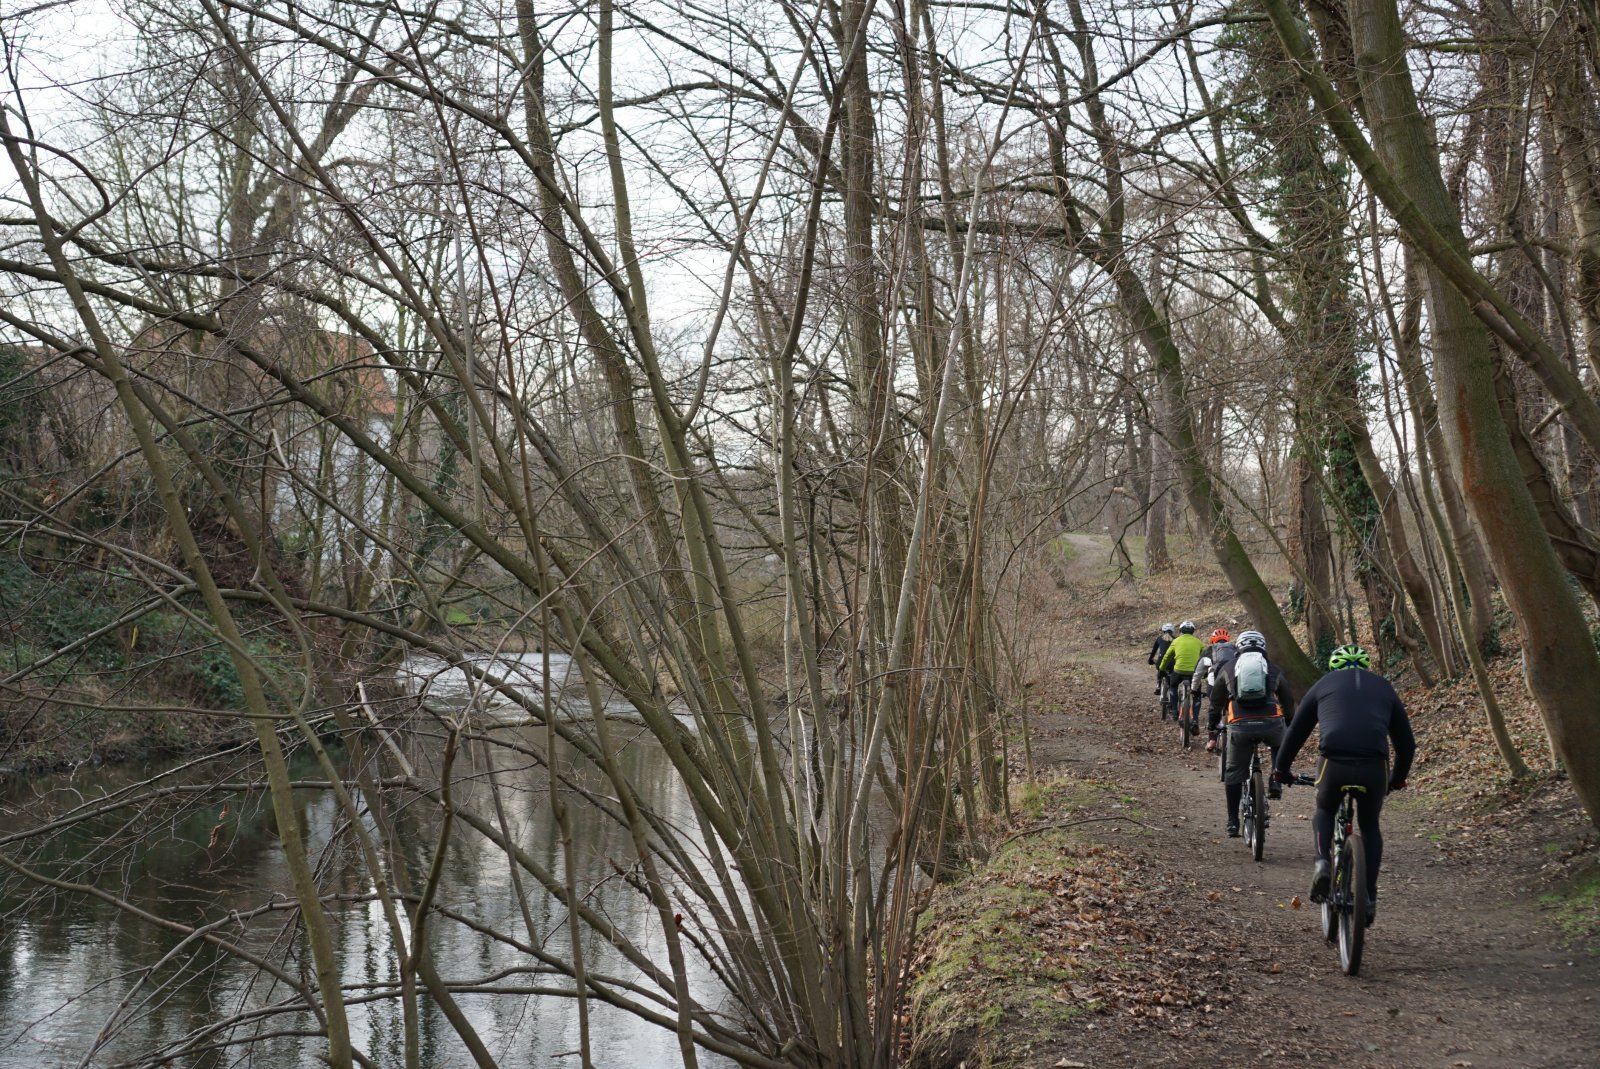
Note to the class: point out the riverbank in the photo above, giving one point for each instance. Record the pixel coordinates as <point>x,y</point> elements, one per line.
<point>95,676</point>
<point>58,738</point>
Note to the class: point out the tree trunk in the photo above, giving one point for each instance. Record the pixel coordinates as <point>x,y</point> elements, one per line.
<point>1570,110</point>
<point>1476,577</point>
<point>1157,557</point>
<point>1210,513</point>
<point>1577,547</point>
<point>1155,333</point>
<point>1561,664</point>
<point>1312,547</point>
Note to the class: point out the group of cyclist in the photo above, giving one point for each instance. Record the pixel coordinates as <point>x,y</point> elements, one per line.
<point>1249,702</point>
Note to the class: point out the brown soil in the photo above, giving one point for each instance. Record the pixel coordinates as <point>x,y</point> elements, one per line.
<point>1462,967</point>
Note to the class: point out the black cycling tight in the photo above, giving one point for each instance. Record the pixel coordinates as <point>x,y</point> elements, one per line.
<point>1331,776</point>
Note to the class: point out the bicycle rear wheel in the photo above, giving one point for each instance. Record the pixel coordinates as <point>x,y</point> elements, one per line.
<point>1183,713</point>
<point>1353,905</point>
<point>1257,831</point>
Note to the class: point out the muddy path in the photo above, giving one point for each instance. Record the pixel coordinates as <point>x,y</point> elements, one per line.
<point>1459,972</point>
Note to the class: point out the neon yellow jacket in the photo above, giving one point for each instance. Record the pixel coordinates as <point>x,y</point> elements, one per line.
<point>1182,655</point>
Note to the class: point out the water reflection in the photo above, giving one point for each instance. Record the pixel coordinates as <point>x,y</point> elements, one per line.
<point>70,965</point>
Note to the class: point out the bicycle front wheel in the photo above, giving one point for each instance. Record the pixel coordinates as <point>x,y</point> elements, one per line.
<point>1352,904</point>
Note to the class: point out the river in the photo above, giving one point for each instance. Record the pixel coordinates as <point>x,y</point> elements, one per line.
<point>75,971</point>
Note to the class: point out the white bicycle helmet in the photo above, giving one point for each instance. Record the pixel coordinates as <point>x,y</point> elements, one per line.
<point>1252,640</point>
<point>1166,629</point>
<point>1187,627</point>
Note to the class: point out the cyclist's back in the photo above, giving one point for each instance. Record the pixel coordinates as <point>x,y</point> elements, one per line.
<point>1255,714</point>
<point>1158,650</point>
<point>1358,714</point>
<point>1218,654</point>
<point>1184,653</point>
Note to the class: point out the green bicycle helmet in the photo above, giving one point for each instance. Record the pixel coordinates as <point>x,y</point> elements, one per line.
<point>1351,656</point>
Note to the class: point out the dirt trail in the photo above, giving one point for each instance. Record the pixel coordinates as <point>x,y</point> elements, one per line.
<point>1458,972</point>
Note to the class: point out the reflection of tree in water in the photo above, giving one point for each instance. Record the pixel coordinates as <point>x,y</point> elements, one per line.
<point>196,856</point>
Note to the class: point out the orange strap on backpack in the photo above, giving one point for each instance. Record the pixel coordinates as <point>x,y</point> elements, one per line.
<point>1268,712</point>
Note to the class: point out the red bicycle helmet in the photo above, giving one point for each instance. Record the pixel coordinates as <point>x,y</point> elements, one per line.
<point>1220,635</point>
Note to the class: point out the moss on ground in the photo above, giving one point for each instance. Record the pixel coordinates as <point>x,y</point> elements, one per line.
<point>1574,904</point>
<point>998,960</point>
<point>99,673</point>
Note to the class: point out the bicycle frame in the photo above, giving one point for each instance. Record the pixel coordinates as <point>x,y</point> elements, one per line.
<point>1343,913</point>
<point>1254,824</point>
<point>1344,821</point>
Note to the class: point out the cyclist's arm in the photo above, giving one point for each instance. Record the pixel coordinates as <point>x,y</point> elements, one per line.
<point>1405,742</point>
<point>1151,658</point>
<point>1219,701</point>
<point>1169,658</point>
<point>1284,695</point>
<point>1305,718</point>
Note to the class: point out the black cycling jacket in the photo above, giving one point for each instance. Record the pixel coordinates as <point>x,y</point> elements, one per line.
<point>1222,693</point>
<point>1158,649</point>
<point>1359,715</point>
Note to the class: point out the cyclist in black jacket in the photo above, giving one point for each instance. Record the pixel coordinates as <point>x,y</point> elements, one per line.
<point>1358,715</point>
<point>1250,722</point>
<point>1158,650</point>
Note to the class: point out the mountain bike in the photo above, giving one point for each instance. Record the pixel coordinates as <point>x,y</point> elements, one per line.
<point>1344,911</point>
<point>1177,700</point>
<point>1253,806</point>
<point>1189,719</point>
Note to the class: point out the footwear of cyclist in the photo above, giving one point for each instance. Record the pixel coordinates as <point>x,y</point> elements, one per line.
<point>1274,789</point>
<point>1233,829</point>
<point>1321,879</point>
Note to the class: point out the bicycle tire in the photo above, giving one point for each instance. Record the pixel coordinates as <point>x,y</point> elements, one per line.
<point>1258,816</point>
<point>1353,919</point>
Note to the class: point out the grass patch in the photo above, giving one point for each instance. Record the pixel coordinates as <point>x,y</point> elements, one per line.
<point>1575,904</point>
<point>1034,801</point>
<point>999,951</point>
